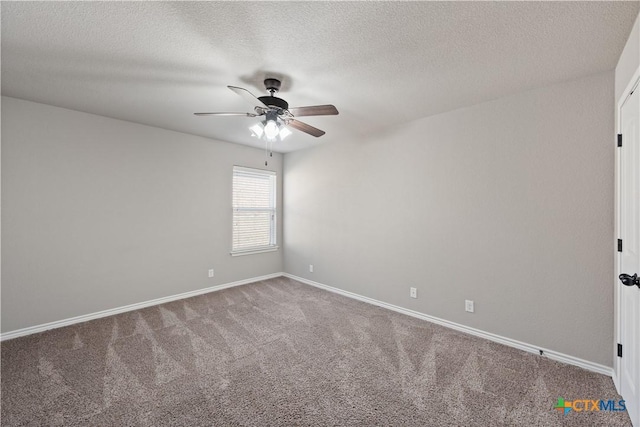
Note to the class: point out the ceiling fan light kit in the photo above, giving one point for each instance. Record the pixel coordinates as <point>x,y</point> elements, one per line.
<point>277,114</point>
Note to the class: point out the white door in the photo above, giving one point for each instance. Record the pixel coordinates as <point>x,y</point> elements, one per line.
<point>629,229</point>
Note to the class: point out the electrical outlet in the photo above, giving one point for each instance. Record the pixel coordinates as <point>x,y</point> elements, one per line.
<point>413,292</point>
<point>211,272</point>
<point>310,268</point>
<point>468,305</point>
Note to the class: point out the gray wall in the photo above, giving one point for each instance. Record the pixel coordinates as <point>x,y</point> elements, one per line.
<point>508,203</point>
<point>99,213</point>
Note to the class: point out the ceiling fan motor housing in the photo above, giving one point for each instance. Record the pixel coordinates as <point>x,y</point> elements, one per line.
<point>274,101</point>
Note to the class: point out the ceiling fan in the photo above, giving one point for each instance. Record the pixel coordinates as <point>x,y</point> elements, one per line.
<point>277,113</point>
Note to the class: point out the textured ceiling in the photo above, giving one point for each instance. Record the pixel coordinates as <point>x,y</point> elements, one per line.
<point>380,63</point>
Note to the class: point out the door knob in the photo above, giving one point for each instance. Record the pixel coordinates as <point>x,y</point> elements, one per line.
<point>630,280</point>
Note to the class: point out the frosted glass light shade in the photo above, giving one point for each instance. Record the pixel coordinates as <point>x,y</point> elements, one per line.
<point>284,132</point>
<point>271,130</point>
<point>257,130</point>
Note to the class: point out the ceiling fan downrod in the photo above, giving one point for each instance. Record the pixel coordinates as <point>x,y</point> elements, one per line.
<point>272,85</point>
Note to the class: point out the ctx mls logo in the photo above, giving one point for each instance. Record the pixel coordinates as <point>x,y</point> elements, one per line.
<point>588,405</point>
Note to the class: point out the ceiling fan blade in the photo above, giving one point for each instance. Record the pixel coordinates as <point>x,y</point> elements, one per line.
<point>297,124</point>
<point>249,97</point>
<point>226,114</point>
<point>315,110</point>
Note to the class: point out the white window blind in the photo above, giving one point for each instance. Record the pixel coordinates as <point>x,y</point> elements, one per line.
<point>254,210</point>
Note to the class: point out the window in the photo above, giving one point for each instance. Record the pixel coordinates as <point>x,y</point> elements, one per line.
<point>254,211</point>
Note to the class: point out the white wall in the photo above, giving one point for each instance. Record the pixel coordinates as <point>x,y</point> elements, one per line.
<point>508,203</point>
<point>99,213</point>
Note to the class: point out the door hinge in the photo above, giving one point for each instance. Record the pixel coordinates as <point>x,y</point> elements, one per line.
<point>619,140</point>
<point>619,245</point>
<point>619,350</point>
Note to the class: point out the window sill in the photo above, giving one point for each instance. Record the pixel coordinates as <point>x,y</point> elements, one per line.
<point>254,251</point>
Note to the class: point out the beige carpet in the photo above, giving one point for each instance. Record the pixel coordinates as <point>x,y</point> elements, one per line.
<point>282,353</point>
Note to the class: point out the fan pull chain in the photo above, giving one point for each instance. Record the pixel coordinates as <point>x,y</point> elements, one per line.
<point>268,150</point>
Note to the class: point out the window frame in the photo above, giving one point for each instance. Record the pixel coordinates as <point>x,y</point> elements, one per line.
<point>272,209</point>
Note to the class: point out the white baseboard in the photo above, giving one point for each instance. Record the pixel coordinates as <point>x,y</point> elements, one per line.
<point>554,355</point>
<point>616,379</point>
<point>110,312</point>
